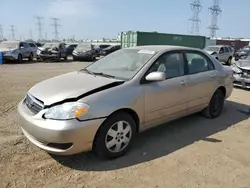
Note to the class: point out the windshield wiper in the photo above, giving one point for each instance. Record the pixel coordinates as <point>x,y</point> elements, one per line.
<point>88,71</point>
<point>103,74</point>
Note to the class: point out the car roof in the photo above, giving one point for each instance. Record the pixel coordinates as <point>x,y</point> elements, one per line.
<point>159,48</point>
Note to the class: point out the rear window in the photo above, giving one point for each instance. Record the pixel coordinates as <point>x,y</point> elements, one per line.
<point>32,45</point>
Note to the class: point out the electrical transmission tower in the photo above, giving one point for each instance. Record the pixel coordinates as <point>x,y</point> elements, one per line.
<point>215,10</point>
<point>55,25</point>
<point>13,30</point>
<point>39,26</point>
<point>195,20</point>
<point>1,32</point>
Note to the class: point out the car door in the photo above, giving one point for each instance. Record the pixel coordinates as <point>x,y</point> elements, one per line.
<point>165,100</point>
<point>201,79</point>
<point>226,54</point>
<point>27,49</point>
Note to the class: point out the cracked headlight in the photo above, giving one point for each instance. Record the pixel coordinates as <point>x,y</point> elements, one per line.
<point>66,111</point>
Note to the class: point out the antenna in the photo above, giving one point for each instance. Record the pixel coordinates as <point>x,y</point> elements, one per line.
<point>215,11</point>
<point>39,26</point>
<point>196,9</point>
<point>55,25</point>
<point>12,29</point>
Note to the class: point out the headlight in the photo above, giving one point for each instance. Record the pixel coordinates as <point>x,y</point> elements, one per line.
<point>67,111</point>
<point>11,52</point>
<point>236,69</point>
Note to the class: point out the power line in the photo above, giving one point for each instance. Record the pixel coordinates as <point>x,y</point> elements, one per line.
<point>215,11</point>
<point>39,26</point>
<point>196,9</point>
<point>13,30</point>
<point>55,25</point>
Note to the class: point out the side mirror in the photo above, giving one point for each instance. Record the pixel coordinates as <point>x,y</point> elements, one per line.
<point>156,76</point>
<point>221,52</point>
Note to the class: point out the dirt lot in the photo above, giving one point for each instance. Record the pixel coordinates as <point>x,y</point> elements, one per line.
<point>191,152</point>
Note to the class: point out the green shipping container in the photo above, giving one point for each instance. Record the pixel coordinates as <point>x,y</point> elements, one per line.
<point>136,38</point>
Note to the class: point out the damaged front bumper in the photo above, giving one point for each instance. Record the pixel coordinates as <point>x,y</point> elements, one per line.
<point>241,80</point>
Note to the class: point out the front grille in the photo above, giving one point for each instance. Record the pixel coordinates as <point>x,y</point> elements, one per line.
<point>33,104</point>
<point>245,71</point>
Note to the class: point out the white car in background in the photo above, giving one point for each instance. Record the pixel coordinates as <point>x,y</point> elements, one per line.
<point>222,53</point>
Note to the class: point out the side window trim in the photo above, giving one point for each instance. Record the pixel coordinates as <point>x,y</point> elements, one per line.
<point>202,55</point>
<point>143,81</point>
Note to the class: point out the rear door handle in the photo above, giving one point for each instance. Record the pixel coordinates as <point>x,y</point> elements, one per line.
<point>212,75</point>
<point>183,82</point>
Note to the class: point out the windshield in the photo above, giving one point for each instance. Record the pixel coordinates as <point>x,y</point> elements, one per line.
<point>9,45</point>
<point>123,64</point>
<point>212,48</point>
<point>50,45</point>
<point>83,47</point>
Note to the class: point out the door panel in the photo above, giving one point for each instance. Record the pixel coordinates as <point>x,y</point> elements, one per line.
<point>165,99</point>
<point>202,87</point>
<point>201,79</point>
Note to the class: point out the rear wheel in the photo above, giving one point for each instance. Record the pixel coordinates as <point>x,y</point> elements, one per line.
<point>216,104</point>
<point>115,136</point>
<point>65,58</point>
<point>229,61</point>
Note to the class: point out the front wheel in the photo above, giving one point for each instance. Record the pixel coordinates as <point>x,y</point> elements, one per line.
<point>216,104</point>
<point>19,58</point>
<point>31,57</point>
<point>65,58</point>
<point>115,136</point>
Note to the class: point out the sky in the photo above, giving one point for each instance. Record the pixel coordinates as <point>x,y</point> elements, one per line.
<point>94,19</point>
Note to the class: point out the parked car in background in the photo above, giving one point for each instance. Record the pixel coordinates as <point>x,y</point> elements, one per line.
<point>34,48</point>
<point>16,51</point>
<point>55,51</point>
<point>103,106</point>
<point>100,47</point>
<point>38,44</point>
<point>109,50</point>
<point>70,48</point>
<point>242,53</point>
<point>85,51</point>
<point>222,53</point>
<point>241,70</point>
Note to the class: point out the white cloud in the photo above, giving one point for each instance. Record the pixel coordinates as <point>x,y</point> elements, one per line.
<point>71,8</point>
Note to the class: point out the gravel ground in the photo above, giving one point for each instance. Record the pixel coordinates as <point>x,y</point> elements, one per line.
<point>191,152</point>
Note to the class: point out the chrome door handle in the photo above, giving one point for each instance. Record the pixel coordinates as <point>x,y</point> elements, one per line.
<point>183,82</point>
<point>212,75</point>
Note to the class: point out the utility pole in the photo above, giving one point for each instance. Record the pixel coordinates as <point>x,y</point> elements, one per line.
<point>196,9</point>
<point>39,26</point>
<point>46,37</point>
<point>12,29</point>
<point>31,36</point>
<point>55,25</point>
<point>215,11</point>
<point>1,32</point>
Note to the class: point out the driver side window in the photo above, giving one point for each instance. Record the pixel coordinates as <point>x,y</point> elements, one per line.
<point>172,64</point>
<point>221,50</point>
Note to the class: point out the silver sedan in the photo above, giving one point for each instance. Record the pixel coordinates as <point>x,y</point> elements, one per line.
<point>103,106</point>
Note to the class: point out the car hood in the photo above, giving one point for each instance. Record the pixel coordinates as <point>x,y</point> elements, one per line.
<point>210,52</point>
<point>244,64</point>
<point>6,49</point>
<point>70,86</point>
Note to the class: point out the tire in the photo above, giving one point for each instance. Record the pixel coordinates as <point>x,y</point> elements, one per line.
<point>103,139</point>
<point>229,61</point>
<point>65,58</point>
<point>20,58</point>
<point>216,104</point>
<point>31,57</point>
